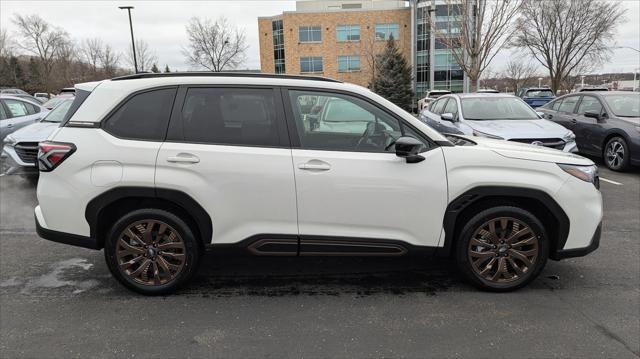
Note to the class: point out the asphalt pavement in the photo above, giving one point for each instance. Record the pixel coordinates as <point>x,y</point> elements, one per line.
<point>60,301</point>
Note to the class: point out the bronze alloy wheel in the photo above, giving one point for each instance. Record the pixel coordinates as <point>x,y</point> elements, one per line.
<point>503,250</point>
<point>150,252</point>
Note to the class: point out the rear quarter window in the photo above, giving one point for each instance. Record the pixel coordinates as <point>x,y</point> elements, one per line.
<point>143,116</point>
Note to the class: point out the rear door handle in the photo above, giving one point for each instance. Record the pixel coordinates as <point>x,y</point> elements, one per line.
<point>183,158</point>
<point>314,165</point>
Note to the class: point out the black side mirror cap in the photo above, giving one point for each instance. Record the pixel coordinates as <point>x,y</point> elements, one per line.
<point>592,115</point>
<point>409,148</point>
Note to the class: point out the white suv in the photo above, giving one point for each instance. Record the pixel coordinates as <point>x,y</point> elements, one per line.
<point>156,168</point>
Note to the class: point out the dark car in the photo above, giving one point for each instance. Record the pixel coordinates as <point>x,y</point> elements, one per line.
<point>536,96</point>
<point>606,124</point>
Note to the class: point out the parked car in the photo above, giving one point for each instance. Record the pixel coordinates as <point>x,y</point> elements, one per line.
<point>12,91</point>
<point>487,91</point>
<point>30,98</point>
<point>58,99</point>
<point>592,88</point>
<point>156,168</point>
<point>431,95</point>
<point>42,96</point>
<point>536,96</point>
<point>16,112</point>
<point>21,147</point>
<point>606,124</point>
<point>497,116</point>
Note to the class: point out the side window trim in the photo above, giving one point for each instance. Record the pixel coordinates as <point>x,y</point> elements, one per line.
<point>106,118</point>
<point>292,126</point>
<point>175,131</point>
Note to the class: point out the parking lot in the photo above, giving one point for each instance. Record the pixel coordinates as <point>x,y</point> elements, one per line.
<point>61,301</point>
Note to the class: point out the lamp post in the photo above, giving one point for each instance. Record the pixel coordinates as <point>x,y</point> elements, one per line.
<point>582,83</point>
<point>133,43</point>
<point>539,81</point>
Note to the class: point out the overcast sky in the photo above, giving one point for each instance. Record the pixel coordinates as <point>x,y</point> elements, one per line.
<point>162,25</point>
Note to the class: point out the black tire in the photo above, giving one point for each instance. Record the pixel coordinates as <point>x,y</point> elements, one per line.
<point>190,250</point>
<point>616,154</point>
<point>521,219</point>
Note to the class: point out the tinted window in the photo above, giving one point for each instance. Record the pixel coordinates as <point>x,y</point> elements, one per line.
<point>2,114</point>
<point>16,108</point>
<point>589,104</point>
<point>343,123</point>
<point>556,105</point>
<point>309,34</point>
<point>230,116</point>
<point>568,104</point>
<point>31,108</point>
<point>144,116</point>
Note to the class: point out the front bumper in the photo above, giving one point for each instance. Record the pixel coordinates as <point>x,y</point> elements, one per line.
<point>579,252</point>
<point>14,164</point>
<point>61,237</point>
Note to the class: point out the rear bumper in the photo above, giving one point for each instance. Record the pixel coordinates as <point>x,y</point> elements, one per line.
<point>579,252</point>
<point>65,238</point>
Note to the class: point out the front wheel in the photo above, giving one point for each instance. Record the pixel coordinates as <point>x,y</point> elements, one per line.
<point>616,154</point>
<point>151,251</point>
<point>502,248</point>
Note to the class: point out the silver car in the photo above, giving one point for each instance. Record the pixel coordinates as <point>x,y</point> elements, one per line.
<point>21,147</point>
<point>497,116</point>
<point>16,112</point>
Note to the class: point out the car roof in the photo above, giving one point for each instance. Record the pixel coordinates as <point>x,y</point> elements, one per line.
<point>481,95</point>
<point>11,97</point>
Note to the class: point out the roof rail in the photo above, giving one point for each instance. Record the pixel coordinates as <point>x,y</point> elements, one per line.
<point>148,75</point>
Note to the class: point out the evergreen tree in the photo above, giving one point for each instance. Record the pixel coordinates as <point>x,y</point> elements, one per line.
<point>166,68</point>
<point>393,76</point>
<point>155,69</point>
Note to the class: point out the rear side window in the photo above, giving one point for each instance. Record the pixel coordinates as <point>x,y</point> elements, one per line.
<point>16,108</point>
<point>556,105</point>
<point>81,95</point>
<point>568,104</point>
<point>231,116</point>
<point>143,117</point>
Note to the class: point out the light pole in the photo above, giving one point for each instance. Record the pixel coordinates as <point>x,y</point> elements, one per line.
<point>582,83</point>
<point>539,81</point>
<point>133,43</point>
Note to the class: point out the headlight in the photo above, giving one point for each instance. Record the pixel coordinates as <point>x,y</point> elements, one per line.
<point>482,134</point>
<point>585,173</point>
<point>569,136</point>
<point>9,140</point>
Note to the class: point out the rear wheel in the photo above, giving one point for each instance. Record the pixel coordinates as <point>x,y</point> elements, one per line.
<point>502,248</point>
<point>616,154</point>
<point>151,251</point>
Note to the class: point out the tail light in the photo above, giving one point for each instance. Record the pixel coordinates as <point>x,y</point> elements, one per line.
<point>52,154</point>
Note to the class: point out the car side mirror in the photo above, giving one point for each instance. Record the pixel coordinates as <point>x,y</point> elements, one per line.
<point>592,115</point>
<point>409,148</point>
<point>447,117</point>
<point>540,114</point>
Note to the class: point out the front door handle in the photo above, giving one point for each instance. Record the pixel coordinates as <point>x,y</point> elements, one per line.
<point>183,158</point>
<point>574,121</point>
<point>10,125</point>
<point>315,165</point>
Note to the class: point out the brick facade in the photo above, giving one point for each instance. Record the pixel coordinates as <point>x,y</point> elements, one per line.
<point>330,48</point>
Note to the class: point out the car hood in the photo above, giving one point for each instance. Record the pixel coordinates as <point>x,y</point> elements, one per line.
<point>525,151</point>
<point>631,120</point>
<point>516,129</point>
<point>36,132</point>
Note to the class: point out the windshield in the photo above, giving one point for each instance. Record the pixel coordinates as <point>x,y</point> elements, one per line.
<point>539,93</point>
<point>496,108</point>
<point>627,105</point>
<point>55,101</point>
<point>57,114</point>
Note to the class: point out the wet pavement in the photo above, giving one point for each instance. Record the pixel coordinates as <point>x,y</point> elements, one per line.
<point>60,301</point>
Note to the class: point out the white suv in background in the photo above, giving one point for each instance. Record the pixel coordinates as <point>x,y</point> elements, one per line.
<point>156,168</point>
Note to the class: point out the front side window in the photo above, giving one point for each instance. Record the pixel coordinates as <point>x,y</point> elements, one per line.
<point>16,108</point>
<point>384,31</point>
<point>496,108</point>
<point>348,63</point>
<point>555,105</point>
<point>568,104</point>
<point>310,64</point>
<point>337,122</point>
<point>451,107</point>
<point>309,34</point>
<point>143,117</point>
<point>437,106</point>
<point>348,33</point>
<point>589,104</point>
<point>230,116</point>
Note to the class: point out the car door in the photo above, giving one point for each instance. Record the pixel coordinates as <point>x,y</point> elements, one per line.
<point>565,115</point>
<point>432,116</point>
<point>228,148</point>
<point>20,113</point>
<point>588,130</point>
<point>350,183</point>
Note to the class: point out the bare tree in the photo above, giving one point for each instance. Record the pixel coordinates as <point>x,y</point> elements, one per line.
<point>144,56</point>
<point>109,60</point>
<point>41,39</point>
<point>485,28</point>
<point>91,51</point>
<point>215,46</point>
<point>518,73</point>
<point>565,34</point>
<point>6,45</point>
